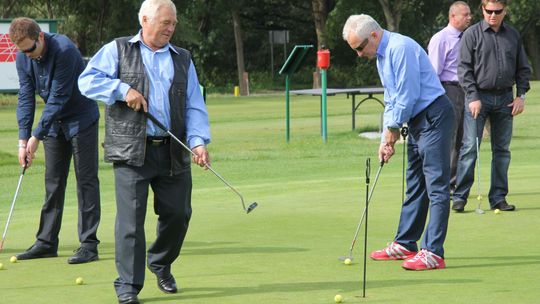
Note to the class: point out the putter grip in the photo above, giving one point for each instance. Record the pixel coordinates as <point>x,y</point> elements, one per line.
<point>155,121</point>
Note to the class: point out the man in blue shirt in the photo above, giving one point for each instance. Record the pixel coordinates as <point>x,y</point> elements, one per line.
<point>414,95</point>
<point>146,73</point>
<point>49,65</point>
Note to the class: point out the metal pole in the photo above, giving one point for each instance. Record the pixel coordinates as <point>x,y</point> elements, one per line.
<point>323,105</point>
<point>368,171</point>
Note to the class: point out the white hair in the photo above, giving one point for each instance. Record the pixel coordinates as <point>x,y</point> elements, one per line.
<point>362,25</point>
<point>149,8</point>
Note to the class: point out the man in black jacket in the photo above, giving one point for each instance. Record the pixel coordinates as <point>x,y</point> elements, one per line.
<point>49,65</point>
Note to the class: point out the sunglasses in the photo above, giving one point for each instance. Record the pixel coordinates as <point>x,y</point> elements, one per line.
<point>31,49</point>
<point>362,45</point>
<point>496,12</point>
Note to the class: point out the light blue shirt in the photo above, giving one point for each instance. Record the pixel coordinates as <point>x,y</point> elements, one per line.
<point>410,82</point>
<point>99,81</point>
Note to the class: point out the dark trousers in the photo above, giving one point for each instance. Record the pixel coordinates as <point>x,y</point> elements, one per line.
<point>457,96</point>
<point>428,178</point>
<point>172,205</point>
<point>495,107</point>
<point>83,147</point>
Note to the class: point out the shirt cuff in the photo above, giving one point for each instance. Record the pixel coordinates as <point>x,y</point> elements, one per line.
<point>472,97</point>
<point>37,134</point>
<point>123,89</point>
<point>195,141</point>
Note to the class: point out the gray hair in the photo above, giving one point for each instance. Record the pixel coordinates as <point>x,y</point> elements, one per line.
<point>149,8</point>
<point>362,25</point>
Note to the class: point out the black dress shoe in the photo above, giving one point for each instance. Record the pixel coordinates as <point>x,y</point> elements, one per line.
<point>458,206</point>
<point>128,299</point>
<point>37,252</point>
<point>167,284</point>
<point>83,255</point>
<point>503,206</point>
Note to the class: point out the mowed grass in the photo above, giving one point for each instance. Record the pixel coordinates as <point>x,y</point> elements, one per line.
<point>311,196</point>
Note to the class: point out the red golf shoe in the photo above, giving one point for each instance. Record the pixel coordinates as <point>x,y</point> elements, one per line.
<point>424,260</point>
<point>393,251</point>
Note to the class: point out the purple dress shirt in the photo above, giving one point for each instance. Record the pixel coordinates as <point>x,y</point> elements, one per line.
<point>443,52</point>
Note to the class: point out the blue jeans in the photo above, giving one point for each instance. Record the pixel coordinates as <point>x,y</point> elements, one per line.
<point>428,178</point>
<point>500,115</point>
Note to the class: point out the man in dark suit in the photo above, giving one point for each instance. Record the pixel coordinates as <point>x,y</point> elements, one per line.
<point>49,65</point>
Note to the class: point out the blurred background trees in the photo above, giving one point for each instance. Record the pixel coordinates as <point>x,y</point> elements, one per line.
<point>228,38</point>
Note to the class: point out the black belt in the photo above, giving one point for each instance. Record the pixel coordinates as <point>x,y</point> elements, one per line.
<point>453,83</point>
<point>496,91</point>
<point>158,140</point>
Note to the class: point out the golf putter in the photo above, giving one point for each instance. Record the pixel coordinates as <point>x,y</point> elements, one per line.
<point>404,133</point>
<point>478,210</point>
<point>350,256</point>
<point>161,126</point>
<point>12,207</point>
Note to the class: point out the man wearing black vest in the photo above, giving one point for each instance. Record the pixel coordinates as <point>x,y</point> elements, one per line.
<point>146,73</point>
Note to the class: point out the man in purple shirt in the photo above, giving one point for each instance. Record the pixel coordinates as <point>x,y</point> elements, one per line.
<point>443,52</point>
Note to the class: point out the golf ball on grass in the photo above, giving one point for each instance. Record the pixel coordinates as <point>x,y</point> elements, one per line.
<point>13,259</point>
<point>338,298</point>
<point>1,266</point>
<point>497,211</point>
<point>347,261</point>
<point>79,281</point>
<point>479,197</point>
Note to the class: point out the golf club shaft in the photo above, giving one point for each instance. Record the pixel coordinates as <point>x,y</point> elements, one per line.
<point>161,126</point>
<point>404,133</point>
<point>365,209</point>
<point>12,207</point>
<point>478,163</point>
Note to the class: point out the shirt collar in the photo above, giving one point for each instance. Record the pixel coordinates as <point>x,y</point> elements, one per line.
<point>485,26</point>
<point>138,38</point>
<point>383,43</point>
<point>46,46</point>
<point>453,30</point>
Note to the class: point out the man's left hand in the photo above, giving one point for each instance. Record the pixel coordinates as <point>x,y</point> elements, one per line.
<point>518,105</point>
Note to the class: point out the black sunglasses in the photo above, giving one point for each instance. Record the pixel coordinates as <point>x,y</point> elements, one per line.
<point>31,49</point>
<point>497,12</point>
<point>362,45</point>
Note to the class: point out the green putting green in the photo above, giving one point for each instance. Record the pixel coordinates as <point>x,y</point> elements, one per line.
<point>310,195</point>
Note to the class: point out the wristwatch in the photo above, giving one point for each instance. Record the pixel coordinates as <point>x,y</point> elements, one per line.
<point>522,96</point>
<point>391,129</point>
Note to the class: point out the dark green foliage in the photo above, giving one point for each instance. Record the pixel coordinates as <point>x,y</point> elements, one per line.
<point>205,28</point>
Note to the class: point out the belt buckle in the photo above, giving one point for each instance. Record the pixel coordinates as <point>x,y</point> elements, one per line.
<point>156,142</point>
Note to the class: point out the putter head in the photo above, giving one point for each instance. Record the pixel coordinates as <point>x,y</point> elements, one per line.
<point>251,207</point>
<point>479,211</point>
<point>343,258</point>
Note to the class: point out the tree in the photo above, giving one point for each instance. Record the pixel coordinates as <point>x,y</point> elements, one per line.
<point>392,13</point>
<point>239,52</point>
<point>321,10</point>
